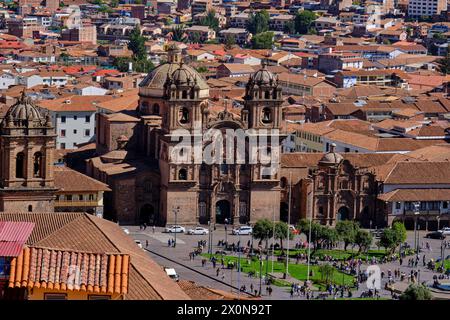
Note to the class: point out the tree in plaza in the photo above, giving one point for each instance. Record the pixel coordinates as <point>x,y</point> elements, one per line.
<point>388,239</point>
<point>303,21</point>
<point>137,44</point>
<point>114,3</point>
<point>259,22</point>
<point>327,236</point>
<point>281,232</point>
<point>416,292</point>
<point>316,231</point>
<point>347,232</point>
<point>263,230</point>
<point>179,33</point>
<point>326,272</point>
<point>363,240</point>
<point>263,40</point>
<point>210,20</point>
<point>230,41</point>
<point>400,232</point>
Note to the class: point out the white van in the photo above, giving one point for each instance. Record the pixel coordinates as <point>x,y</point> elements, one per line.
<point>172,273</point>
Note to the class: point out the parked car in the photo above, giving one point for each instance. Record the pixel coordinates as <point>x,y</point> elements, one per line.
<point>175,229</point>
<point>126,230</point>
<point>172,273</point>
<point>294,229</point>
<point>445,231</point>
<point>243,231</point>
<point>198,231</point>
<point>138,243</point>
<point>435,235</point>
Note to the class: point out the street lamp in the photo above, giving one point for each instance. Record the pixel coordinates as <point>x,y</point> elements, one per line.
<point>209,238</point>
<point>175,211</point>
<point>226,222</point>
<point>416,213</point>
<point>260,272</point>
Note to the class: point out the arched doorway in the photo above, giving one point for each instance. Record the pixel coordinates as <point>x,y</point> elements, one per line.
<point>284,211</point>
<point>343,214</point>
<point>147,214</point>
<point>223,211</point>
<point>365,218</point>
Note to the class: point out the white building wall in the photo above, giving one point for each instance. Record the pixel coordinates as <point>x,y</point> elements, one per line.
<point>75,127</point>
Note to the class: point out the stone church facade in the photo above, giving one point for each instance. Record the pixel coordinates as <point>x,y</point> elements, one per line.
<point>341,191</point>
<point>140,146</point>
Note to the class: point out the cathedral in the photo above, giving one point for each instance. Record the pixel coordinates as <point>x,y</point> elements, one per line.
<point>135,152</point>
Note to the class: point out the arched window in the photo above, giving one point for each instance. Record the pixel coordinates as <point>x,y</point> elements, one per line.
<point>182,174</point>
<point>37,165</point>
<point>283,182</point>
<point>30,208</point>
<point>267,95</point>
<point>184,94</point>
<point>184,115</point>
<point>144,106</point>
<point>156,108</point>
<point>20,162</point>
<point>266,116</point>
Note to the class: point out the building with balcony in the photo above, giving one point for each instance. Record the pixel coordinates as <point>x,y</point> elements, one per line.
<point>78,192</point>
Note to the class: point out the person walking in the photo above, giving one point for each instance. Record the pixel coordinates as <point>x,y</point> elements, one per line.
<point>153,228</point>
<point>146,243</point>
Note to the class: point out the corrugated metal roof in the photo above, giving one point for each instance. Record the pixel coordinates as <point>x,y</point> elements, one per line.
<point>13,236</point>
<point>15,231</point>
<point>10,249</point>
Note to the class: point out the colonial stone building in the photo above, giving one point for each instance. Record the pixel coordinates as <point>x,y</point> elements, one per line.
<point>150,183</point>
<point>341,191</point>
<point>27,143</point>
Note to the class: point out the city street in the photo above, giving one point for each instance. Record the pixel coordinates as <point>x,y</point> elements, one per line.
<point>178,258</point>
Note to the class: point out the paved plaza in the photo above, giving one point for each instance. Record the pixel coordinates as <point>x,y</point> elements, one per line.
<point>178,258</point>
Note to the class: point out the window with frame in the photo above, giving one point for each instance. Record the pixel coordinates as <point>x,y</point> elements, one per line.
<point>98,297</point>
<point>63,119</point>
<point>55,296</point>
<point>398,205</point>
<point>87,132</point>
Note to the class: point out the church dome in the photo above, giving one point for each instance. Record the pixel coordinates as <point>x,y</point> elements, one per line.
<point>153,84</point>
<point>182,76</point>
<point>24,112</point>
<point>332,157</point>
<point>264,77</point>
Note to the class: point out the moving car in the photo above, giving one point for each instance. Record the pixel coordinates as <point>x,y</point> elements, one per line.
<point>172,273</point>
<point>126,230</point>
<point>175,229</point>
<point>445,231</point>
<point>198,231</point>
<point>138,243</point>
<point>243,231</point>
<point>435,235</point>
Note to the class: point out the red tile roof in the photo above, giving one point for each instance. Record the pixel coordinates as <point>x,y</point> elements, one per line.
<point>70,270</point>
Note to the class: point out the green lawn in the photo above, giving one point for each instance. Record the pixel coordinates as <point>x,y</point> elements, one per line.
<point>297,271</point>
<point>337,254</point>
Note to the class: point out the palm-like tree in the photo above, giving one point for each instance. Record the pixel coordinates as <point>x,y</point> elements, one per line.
<point>178,33</point>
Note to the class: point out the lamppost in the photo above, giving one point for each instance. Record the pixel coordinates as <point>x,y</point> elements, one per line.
<point>226,222</point>
<point>416,213</point>
<point>260,272</point>
<point>175,211</point>
<point>209,238</point>
<point>239,265</point>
